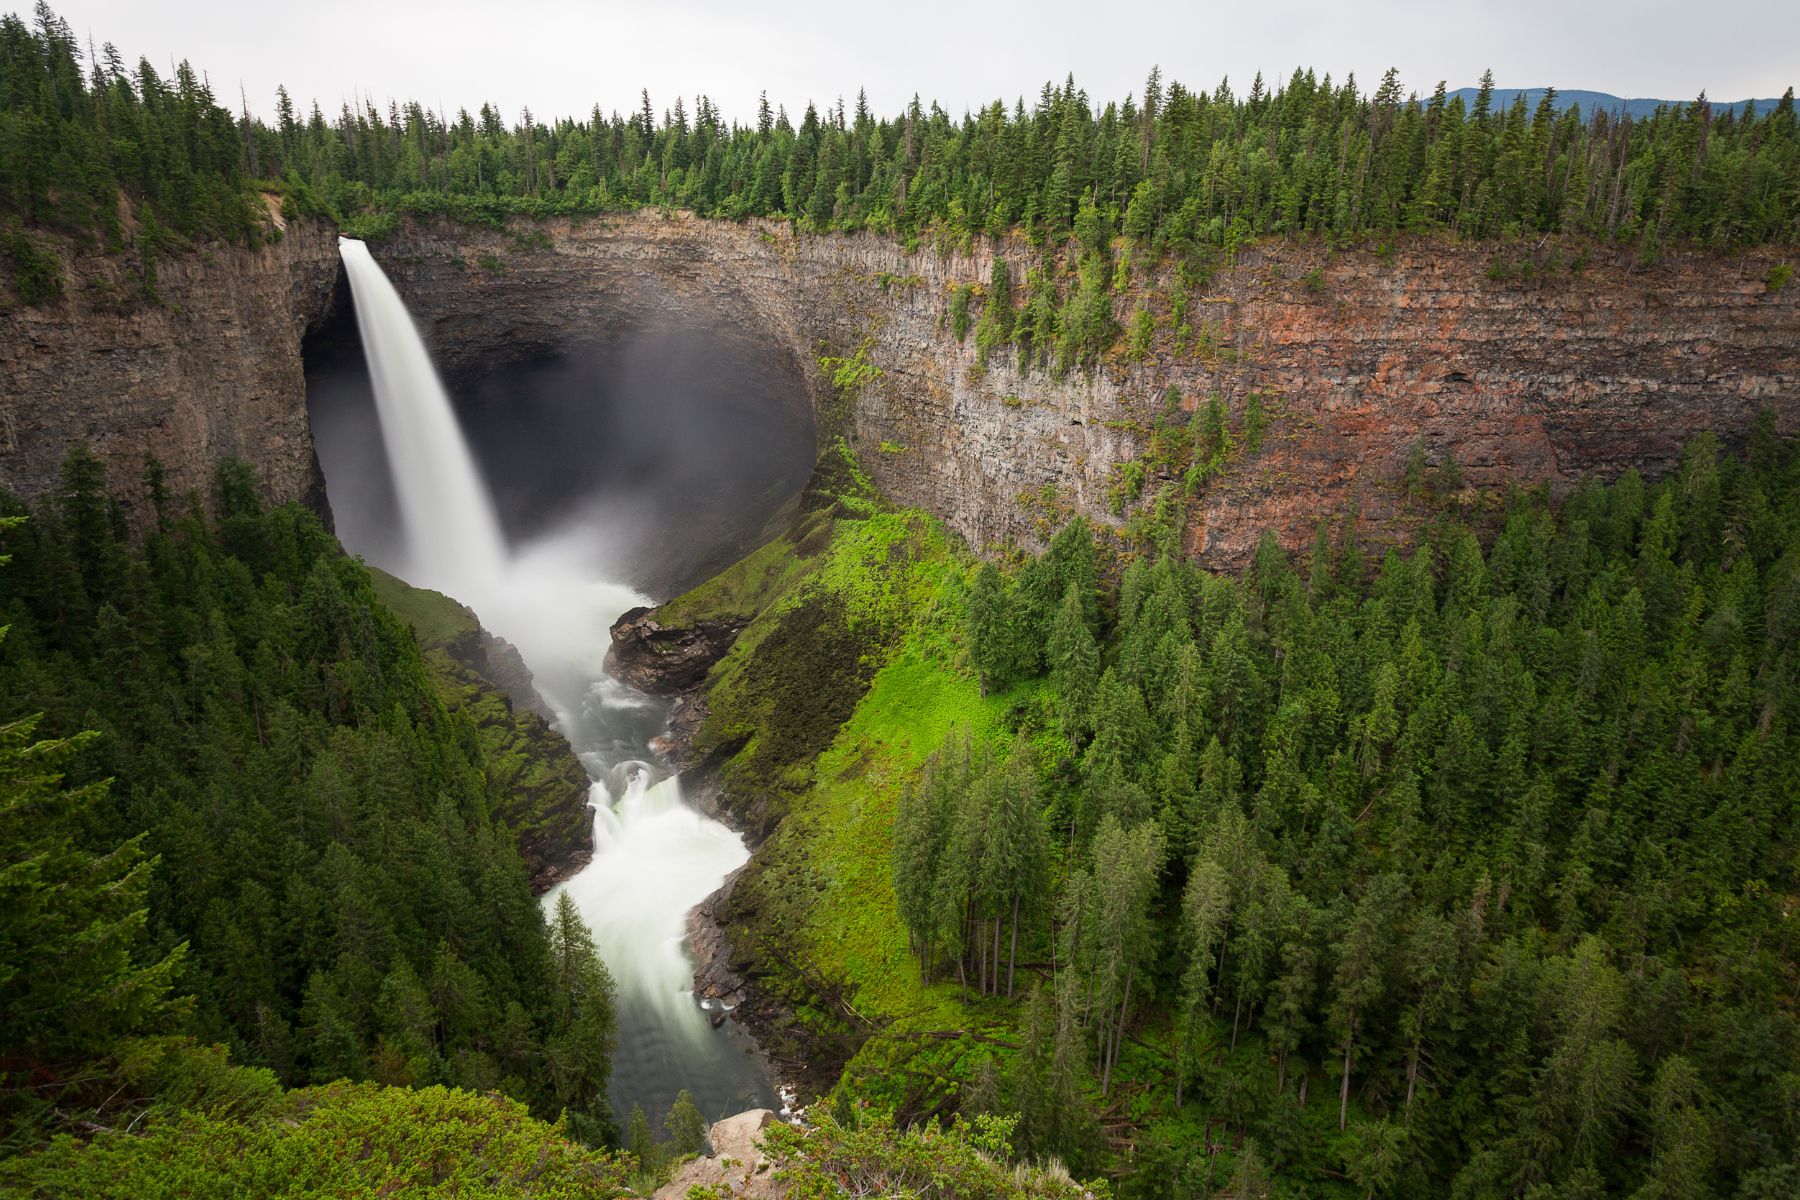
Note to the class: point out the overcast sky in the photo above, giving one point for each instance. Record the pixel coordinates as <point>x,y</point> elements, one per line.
<point>563,56</point>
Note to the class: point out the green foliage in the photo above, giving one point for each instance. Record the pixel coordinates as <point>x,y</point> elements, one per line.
<point>849,375</point>
<point>996,325</point>
<point>36,274</point>
<point>346,1140</point>
<point>959,310</point>
<point>1256,422</point>
<point>325,823</point>
<point>871,1155</point>
<point>1778,277</point>
<point>1193,171</point>
<point>1143,330</point>
<point>1377,888</point>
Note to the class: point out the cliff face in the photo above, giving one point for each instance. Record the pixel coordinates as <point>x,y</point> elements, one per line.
<point>212,370</point>
<point>1540,377</point>
<point>1357,356</point>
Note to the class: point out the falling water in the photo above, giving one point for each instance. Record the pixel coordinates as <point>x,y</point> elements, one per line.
<point>655,857</point>
<point>453,540</point>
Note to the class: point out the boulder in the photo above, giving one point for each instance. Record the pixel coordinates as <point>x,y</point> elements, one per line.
<point>736,1166</point>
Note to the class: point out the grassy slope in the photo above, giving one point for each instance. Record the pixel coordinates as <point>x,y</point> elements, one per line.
<point>819,899</point>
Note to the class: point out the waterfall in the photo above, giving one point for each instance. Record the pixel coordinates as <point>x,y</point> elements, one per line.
<point>453,541</point>
<point>655,857</point>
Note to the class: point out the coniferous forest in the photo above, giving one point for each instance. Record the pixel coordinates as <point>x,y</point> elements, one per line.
<point>1173,168</point>
<point>1459,867</point>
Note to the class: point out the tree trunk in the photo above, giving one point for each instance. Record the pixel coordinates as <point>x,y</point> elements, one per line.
<point>1012,955</point>
<point>1178,1077</point>
<point>1412,1077</point>
<point>1118,1031</point>
<point>1237,1010</point>
<point>1344,1089</point>
<point>996,955</point>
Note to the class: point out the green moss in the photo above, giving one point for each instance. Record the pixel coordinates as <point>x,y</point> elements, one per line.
<point>436,619</point>
<point>36,273</point>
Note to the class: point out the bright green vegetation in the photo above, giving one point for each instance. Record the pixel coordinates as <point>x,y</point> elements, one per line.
<point>1465,872</point>
<point>229,1132</point>
<point>260,820</point>
<point>868,1155</point>
<point>1171,169</point>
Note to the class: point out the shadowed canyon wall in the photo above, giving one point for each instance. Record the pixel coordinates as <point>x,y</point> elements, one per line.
<point>207,368</point>
<point>1358,357</point>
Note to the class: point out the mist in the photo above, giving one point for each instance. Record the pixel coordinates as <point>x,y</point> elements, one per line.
<point>663,453</point>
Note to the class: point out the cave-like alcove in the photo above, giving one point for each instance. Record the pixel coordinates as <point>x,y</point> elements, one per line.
<point>671,445</point>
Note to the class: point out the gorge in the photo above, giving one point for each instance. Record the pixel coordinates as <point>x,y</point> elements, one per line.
<point>654,858</point>
<point>1195,646</point>
<point>1546,378</point>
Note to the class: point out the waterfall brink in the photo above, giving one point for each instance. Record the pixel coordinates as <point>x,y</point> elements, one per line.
<point>453,540</point>
<point>655,857</point>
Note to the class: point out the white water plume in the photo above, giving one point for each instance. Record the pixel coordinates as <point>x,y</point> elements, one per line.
<point>655,857</point>
<point>453,538</point>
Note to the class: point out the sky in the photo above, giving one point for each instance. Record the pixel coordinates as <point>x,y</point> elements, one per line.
<point>561,57</point>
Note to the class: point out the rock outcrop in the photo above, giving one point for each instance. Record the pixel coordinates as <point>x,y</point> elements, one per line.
<point>737,1166</point>
<point>1538,375</point>
<point>1519,365</point>
<point>207,367</point>
<point>540,785</point>
<point>666,661</point>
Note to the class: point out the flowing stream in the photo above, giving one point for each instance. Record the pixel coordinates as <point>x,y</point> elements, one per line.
<point>655,857</point>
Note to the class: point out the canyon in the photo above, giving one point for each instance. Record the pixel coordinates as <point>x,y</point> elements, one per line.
<point>1519,364</point>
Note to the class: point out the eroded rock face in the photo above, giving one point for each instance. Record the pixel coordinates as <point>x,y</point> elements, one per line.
<point>209,371</point>
<point>665,661</point>
<point>1357,356</point>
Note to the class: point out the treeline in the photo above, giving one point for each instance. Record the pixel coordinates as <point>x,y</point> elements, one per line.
<point>1171,168</point>
<point>1498,846</point>
<point>318,875</point>
<point>78,135</point>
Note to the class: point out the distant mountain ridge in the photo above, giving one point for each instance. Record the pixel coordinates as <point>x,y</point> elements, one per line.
<point>1589,101</point>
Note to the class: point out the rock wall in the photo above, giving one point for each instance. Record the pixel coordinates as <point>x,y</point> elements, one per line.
<point>209,371</point>
<point>1359,355</point>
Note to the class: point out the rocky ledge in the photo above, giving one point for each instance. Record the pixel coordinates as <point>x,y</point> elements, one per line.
<point>664,660</point>
<point>736,1167</point>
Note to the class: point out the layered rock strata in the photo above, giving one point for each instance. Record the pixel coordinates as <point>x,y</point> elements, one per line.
<point>201,366</point>
<point>1522,363</point>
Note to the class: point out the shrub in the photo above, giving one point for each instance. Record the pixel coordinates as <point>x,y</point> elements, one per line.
<point>36,273</point>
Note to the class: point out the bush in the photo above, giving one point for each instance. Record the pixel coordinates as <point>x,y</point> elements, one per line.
<point>36,273</point>
<point>959,311</point>
<point>1779,274</point>
<point>872,1156</point>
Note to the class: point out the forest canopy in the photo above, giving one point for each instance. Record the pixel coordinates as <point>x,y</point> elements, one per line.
<point>1169,167</point>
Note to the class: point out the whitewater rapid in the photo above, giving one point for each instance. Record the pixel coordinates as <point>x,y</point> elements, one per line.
<point>655,857</point>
